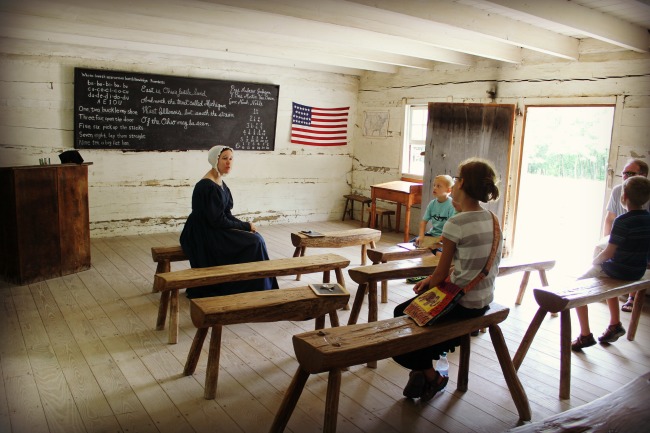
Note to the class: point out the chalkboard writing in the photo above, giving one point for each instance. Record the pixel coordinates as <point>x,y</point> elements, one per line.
<point>129,111</point>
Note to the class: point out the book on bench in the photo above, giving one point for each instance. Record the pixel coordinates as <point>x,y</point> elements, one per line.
<point>312,234</point>
<point>328,289</point>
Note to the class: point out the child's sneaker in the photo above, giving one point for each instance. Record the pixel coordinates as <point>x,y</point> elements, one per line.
<point>612,333</point>
<point>582,341</point>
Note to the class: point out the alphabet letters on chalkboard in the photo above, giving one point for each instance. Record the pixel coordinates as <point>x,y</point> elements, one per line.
<point>129,111</point>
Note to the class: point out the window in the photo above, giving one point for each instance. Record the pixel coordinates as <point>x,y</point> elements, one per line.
<point>414,140</point>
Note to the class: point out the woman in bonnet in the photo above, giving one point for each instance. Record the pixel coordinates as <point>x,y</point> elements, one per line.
<point>213,236</point>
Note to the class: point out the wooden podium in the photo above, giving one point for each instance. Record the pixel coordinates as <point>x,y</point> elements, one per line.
<point>44,221</point>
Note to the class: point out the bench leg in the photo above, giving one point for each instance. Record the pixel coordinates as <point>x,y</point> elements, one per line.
<point>522,287</point>
<point>372,310</point>
<point>289,401</point>
<point>195,351</point>
<point>636,314</point>
<point>299,252</point>
<point>212,373</point>
<point>162,310</point>
<point>161,267</point>
<point>356,305</point>
<point>517,390</point>
<point>173,317</point>
<point>332,401</point>
<point>463,364</point>
<point>384,288</point>
<point>334,319</point>
<point>565,354</point>
<point>528,338</point>
<point>341,280</point>
<point>364,249</point>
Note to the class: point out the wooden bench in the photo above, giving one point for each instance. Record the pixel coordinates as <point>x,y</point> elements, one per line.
<point>349,201</point>
<point>163,256</point>
<point>254,307</point>
<point>507,266</point>
<point>380,214</point>
<point>170,283</point>
<point>625,409</point>
<point>338,239</point>
<point>333,349</point>
<point>390,254</point>
<point>562,298</point>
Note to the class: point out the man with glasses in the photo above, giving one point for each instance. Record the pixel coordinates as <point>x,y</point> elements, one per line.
<point>634,167</point>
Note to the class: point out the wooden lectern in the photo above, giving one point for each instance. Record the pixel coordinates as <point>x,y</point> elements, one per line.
<point>44,221</point>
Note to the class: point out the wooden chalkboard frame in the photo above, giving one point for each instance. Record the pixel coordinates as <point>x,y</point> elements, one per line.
<point>148,112</point>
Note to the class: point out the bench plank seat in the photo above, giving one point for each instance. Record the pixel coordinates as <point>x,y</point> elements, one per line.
<point>296,304</point>
<point>508,266</point>
<point>333,349</point>
<point>164,256</point>
<point>562,298</point>
<point>170,283</point>
<point>336,239</point>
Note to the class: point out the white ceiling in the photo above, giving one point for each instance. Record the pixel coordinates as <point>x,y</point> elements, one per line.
<point>349,36</point>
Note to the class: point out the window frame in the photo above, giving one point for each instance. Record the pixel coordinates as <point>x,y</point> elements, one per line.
<point>408,143</point>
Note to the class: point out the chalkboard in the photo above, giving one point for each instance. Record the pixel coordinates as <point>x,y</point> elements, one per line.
<point>129,111</point>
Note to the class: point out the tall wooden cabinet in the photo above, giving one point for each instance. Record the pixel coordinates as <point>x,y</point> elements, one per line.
<point>44,222</point>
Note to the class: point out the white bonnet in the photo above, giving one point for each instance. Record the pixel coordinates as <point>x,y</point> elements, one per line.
<point>214,153</point>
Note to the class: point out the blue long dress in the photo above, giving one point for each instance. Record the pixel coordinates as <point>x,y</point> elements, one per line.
<point>212,236</point>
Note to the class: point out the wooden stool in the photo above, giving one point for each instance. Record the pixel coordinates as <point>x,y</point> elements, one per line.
<point>379,220</point>
<point>349,201</point>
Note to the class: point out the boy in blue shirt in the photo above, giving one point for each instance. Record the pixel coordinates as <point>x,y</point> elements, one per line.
<point>439,210</point>
<point>625,257</point>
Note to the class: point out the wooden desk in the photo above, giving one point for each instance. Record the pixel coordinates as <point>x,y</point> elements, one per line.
<point>400,192</point>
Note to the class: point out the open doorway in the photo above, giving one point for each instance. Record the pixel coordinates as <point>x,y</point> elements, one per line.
<point>562,183</point>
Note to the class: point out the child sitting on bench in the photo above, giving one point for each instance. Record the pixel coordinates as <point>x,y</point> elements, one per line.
<point>467,240</point>
<point>439,210</point>
<point>625,257</point>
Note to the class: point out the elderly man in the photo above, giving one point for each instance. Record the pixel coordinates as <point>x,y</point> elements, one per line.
<point>634,167</point>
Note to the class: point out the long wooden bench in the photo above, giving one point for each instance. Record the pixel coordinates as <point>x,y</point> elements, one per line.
<point>338,239</point>
<point>164,256</point>
<point>562,298</point>
<point>170,283</point>
<point>268,306</point>
<point>333,349</point>
<point>507,266</point>
<point>624,410</point>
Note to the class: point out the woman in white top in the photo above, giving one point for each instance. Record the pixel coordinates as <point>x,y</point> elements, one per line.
<point>466,245</point>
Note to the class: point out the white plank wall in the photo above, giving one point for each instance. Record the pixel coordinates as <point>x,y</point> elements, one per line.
<point>598,76</point>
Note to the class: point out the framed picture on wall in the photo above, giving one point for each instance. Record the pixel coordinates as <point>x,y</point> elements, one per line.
<point>375,124</point>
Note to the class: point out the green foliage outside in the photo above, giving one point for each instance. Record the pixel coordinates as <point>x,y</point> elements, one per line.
<point>569,144</point>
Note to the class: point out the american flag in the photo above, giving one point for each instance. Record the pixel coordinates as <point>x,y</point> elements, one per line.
<point>314,126</point>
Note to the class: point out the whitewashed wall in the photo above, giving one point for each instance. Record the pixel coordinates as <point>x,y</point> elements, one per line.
<point>146,192</point>
<point>621,77</point>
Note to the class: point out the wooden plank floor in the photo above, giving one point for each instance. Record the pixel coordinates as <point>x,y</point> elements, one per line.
<point>80,354</point>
